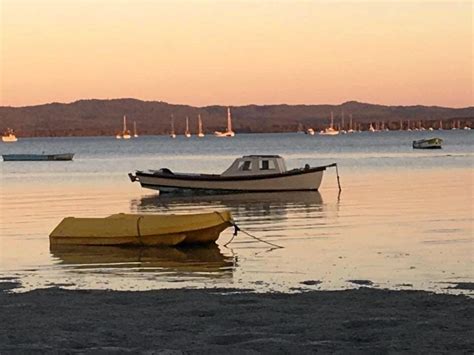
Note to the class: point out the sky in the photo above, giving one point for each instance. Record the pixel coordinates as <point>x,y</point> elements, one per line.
<point>206,52</point>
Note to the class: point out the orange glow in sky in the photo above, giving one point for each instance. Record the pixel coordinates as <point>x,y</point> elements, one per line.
<point>237,52</point>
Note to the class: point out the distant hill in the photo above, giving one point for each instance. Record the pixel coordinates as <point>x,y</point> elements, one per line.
<point>104,117</point>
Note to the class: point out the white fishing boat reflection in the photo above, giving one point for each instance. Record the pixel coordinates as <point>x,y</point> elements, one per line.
<point>205,261</point>
<point>245,207</point>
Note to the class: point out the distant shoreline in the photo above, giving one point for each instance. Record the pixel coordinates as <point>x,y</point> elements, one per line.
<point>104,117</point>
<point>220,320</point>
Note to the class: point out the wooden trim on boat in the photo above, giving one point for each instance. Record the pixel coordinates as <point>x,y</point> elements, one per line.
<point>209,177</point>
<point>219,190</point>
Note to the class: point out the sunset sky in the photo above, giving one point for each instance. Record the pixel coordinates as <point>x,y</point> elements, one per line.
<point>237,52</point>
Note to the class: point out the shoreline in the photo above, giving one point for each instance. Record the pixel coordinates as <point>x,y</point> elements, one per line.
<point>232,320</point>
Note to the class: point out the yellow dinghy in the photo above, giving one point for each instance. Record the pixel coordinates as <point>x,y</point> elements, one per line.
<point>141,229</point>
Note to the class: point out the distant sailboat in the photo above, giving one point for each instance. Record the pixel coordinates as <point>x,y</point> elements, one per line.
<point>310,131</point>
<point>228,132</point>
<point>350,130</point>
<point>300,128</point>
<point>330,131</point>
<point>343,128</point>
<point>172,133</point>
<point>135,134</point>
<point>125,134</point>
<point>200,132</point>
<point>371,128</point>
<point>9,136</point>
<point>187,134</point>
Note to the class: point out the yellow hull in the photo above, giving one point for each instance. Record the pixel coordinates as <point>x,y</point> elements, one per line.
<point>141,229</point>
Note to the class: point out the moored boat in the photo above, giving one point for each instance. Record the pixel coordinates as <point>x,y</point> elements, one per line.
<point>38,157</point>
<point>142,229</point>
<point>9,136</point>
<point>250,173</point>
<point>125,134</point>
<point>228,132</point>
<point>330,131</point>
<point>432,143</point>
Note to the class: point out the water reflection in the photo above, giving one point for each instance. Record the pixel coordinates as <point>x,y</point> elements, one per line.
<point>206,261</point>
<point>245,206</point>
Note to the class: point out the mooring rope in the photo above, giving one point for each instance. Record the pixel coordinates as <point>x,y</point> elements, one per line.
<point>139,235</point>
<point>238,229</point>
<point>338,180</point>
<point>337,174</point>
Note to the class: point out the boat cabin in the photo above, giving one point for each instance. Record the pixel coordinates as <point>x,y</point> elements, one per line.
<point>256,165</point>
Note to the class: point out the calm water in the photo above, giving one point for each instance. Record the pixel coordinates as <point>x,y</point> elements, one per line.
<point>403,220</point>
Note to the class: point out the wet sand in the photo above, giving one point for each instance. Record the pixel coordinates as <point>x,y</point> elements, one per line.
<point>230,321</point>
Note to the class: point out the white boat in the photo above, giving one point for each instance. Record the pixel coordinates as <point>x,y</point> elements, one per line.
<point>228,132</point>
<point>187,134</point>
<point>38,157</point>
<point>125,134</point>
<point>172,133</point>
<point>9,136</point>
<point>135,134</point>
<point>250,173</point>
<point>350,130</point>
<point>200,131</point>
<point>300,128</point>
<point>330,131</point>
<point>310,131</point>
<point>432,143</point>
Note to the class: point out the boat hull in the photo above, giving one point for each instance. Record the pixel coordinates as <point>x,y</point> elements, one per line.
<point>433,143</point>
<point>298,180</point>
<point>38,157</point>
<point>141,230</point>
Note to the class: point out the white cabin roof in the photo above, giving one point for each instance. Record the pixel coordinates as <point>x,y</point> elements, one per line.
<point>256,165</point>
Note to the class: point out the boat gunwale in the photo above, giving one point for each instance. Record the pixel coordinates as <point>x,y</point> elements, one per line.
<point>215,177</point>
<point>225,218</point>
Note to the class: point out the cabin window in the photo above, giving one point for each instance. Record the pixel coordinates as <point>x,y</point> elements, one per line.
<point>267,165</point>
<point>244,165</point>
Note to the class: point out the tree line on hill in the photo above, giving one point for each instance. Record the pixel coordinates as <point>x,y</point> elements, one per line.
<point>104,117</point>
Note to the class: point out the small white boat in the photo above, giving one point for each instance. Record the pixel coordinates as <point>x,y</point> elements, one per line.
<point>200,131</point>
<point>432,143</point>
<point>125,134</point>
<point>135,134</point>
<point>228,132</point>
<point>172,133</point>
<point>330,131</point>
<point>250,173</point>
<point>38,157</point>
<point>187,133</point>
<point>9,136</point>
<point>310,131</point>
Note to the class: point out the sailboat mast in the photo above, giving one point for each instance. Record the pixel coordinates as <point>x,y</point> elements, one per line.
<point>229,120</point>
<point>332,119</point>
<point>124,123</point>
<point>199,124</point>
<point>350,121</point>
<point>342,119</point>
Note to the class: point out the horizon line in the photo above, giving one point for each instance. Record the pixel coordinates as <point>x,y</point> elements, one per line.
<point>227,105</point>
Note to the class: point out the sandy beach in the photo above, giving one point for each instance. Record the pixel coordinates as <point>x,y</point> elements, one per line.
<point>233,321</point>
